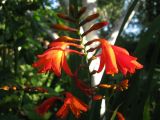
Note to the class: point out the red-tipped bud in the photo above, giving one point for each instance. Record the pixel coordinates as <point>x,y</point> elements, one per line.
<point>65,17</point>
<point>81,11</point>
<point>66,39</point>
<point>93,49</point>
<point>95,27</point>
<point>71,9</point>
<point>41,89</point>
<point>97,97</point>
<point>89,18</point>
<point>5,88</point>
<point>64,27</point>
<point>104,86</point>
<point>120,116</point>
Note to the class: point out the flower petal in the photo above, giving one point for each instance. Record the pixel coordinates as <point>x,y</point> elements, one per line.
<point>66,67</point>
<point>126,62</point>
<point>63,111</point>
<point>109,57</point>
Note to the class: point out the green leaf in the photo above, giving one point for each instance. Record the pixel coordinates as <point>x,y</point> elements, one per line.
<point>115,112</point>
<point>9,116</point>
<point>146,112</point>
<point>29,110</point>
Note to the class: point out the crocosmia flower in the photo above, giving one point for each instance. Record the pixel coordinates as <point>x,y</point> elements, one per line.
<point>54,59</point>
<point>126,63</point>
<point>107,57</point>
<point>71,103</point>
<point>115,58</point>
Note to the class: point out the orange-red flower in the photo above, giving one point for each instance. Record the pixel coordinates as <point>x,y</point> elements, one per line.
<point>114,58</point>
<point>126,63</point>
<point>45,106</point>
<point>54,59</point>
<point>71,103</point>
<point>107,57</point>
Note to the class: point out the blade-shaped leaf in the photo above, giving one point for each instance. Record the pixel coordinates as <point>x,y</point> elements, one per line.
<point>131,8</point>
<point>115,113</point>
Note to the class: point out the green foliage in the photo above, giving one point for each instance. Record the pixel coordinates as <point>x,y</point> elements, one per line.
<point>110,9</point>
<point>23,26</point>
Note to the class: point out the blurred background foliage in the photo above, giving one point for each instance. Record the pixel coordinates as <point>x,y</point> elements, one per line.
<point>25,31</point>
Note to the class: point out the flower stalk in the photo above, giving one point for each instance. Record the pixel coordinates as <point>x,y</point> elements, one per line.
<point>114,59</point>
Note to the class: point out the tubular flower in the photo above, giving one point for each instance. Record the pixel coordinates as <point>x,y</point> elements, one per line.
<point>71,103</point>
<point>107,57</point>
<point>126,63</point>
<point>114,58</point>
<point>45,106</point>
<point>55,58</point>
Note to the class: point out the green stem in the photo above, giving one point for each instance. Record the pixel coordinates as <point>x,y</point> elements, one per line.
<point>4,58</point>
<point>15,60</point>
